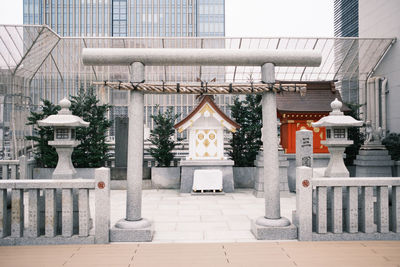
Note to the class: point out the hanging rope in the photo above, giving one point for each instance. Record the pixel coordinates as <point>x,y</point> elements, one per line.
<point>195,88</point>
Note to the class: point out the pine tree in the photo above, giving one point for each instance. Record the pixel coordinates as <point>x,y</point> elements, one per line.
<point>160,137</point>
<point>246,141</point>
<point>354,134</point>
<point>45,155</point>
<point>92,152</point>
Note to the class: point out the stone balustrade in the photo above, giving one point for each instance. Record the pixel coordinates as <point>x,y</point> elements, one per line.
<point>347,208</point>
<point>21,168</point>
<point>13,232</point>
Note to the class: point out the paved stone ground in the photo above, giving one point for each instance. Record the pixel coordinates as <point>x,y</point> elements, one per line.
<point>307,254</point>
<point>200,218</point>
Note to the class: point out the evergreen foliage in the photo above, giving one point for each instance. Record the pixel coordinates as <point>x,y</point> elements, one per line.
<point>92,152</point>
<point>160,137</point>
<point>355,134</point>
<point>392,143</point>
<point>45,155</point>
<point>246,141</point>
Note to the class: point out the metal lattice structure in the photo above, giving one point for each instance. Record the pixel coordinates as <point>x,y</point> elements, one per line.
<point>36,63</point>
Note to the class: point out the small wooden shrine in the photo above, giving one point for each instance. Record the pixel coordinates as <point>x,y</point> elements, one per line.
<point>298,111</point>
<point>206,125</point>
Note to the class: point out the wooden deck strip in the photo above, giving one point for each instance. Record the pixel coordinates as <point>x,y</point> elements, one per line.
<point>358,253</point>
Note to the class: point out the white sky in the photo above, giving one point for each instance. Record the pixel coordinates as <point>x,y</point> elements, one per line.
<point>258,18</point>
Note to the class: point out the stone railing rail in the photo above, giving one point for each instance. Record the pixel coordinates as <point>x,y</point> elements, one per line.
<point>12,230</point>
<point>347,208</point>
<point>21,168</point>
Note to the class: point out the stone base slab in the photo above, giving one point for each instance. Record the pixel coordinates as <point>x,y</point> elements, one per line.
<point>373,163</point>
<point>166,177</point>
<point>58,240</point>
<point>132,235</point>
<point>225,162</point>
<point>273,233</point>
<point>187,173</point>
<point>355,236</point>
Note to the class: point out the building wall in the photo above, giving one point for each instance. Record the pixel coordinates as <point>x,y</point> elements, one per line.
<point>381,19</point>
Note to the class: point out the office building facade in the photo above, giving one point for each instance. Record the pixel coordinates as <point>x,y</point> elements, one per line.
<point>133,18</point>
<point>346,25</point>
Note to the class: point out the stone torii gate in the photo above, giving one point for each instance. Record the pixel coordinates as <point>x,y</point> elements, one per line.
<point>136,228</point>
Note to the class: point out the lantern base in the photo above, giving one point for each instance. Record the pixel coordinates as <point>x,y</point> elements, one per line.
<point>65,169</point>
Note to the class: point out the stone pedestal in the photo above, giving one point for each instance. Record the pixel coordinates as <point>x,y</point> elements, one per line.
<point>286,232</point>
<point>259,178</point>
<point>373,161</point>
<point>189,166</point>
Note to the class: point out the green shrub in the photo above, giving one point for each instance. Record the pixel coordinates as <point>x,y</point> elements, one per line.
<point>354,134</point>
<point>161,137</point>
<point>92,152</point>
<point>45,155</point>
<point>246,141</point>
<point>392,143</point>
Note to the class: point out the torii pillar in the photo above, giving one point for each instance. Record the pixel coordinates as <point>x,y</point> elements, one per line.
<point>271,226</point>
<point>134,227</point>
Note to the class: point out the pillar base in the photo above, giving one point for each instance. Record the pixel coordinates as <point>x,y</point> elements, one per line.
<point>132,231</point>
<point>273,229</point>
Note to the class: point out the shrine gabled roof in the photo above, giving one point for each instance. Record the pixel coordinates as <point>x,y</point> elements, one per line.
<point>317,99</point>
<point>207,105</point>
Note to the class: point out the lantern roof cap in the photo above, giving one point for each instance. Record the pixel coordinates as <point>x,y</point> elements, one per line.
<point>336,118</point>
<point>64,117</point>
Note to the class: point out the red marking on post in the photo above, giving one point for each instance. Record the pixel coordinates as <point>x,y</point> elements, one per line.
<point>306,183</point>
<point>101,185</point>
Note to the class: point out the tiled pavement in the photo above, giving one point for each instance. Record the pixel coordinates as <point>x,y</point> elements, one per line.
<point>200,218</point>
<point>308,254</point>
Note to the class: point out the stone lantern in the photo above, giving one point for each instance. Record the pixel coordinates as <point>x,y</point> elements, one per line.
<point>336,125</point>
<point>64,124</point>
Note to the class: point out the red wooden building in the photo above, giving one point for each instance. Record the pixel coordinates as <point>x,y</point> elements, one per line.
<point>297,112</point>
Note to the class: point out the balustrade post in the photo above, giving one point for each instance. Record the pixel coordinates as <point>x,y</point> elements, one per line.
<point>17,212</point>
<point>67,212</point>
<point>396,209</point>
<point>304,202</point>
<point>50,213</point>
<point>321,218</point>
<point>34,214</point>
<point>367,210</point>
<point>352,210</point>
<point>382,199</point>
<point>102,206</point>
<point>4,227</point>
<point>84,214</point>
<point>337,210</point>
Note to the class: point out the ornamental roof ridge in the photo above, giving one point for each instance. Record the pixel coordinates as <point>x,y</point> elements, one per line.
<point>206,100</point>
